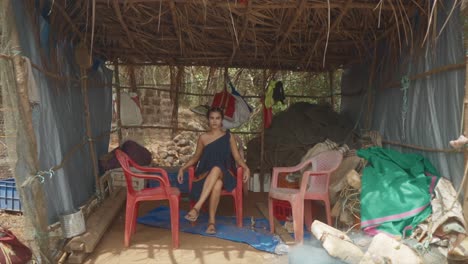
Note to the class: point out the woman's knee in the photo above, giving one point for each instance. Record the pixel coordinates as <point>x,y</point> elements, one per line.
<point>215,172</point>
<point>218,186</point>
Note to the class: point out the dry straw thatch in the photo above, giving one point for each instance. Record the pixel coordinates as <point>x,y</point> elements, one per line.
<point>304,35</point>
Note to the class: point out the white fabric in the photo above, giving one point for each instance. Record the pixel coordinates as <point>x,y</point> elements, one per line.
<point>241,114</point>
<point>130,112</point>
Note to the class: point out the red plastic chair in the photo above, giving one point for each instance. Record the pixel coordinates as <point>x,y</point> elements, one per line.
<point>164,192</point>
<point>236,193</point>
<point>314,186</point>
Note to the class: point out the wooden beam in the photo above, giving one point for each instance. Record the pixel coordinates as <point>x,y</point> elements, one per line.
<point>335,24</point>
<point>118,13</point>
<point>89,131</point>
<point>245,24</point>
<point>464,182</point>
<point>118,91</point>
<point>292,23</point>
<point>274,5</point>
<point>176,26</point>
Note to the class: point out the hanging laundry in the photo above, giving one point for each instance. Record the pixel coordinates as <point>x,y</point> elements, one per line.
<point>130,111</point>
<point>242,111</point>
<point>278,92</point>
<point>267,116</point>
<point>227,102</point>
<point>269,102</point>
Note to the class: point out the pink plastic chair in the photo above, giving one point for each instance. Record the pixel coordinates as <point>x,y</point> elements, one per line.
<point>314,186</point>
<point>236,193</point>
<point>164,192</point>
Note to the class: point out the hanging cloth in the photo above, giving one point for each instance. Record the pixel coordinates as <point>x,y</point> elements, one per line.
<point>269,102</point>
<point>278,92</point>
<point>227,102</point>
<point>242,111</point>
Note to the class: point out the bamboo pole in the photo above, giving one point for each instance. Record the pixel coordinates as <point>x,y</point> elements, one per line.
<point>27,164</point>
<point>465,132</point>
<point>262,135</point>
<point>182,129</point>
<point>92,151</point>
<point>117,91</point>
<point>175,103</point>
<point>152,87</point>
<point>332,97</point>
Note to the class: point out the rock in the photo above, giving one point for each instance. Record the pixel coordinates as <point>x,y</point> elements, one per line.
<point>319,229</point>
<point>172,153</point>
<point>182,142</point>
<point>163,155</point>
<point>170,160</point>
<point>177,138</point>
<point>187,150</point>
<point>344,250</point>
<point>384,249</point>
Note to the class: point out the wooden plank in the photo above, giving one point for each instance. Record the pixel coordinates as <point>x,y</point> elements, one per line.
<point>98,223</point>
<point>77,257</point>
<point>279,229</point>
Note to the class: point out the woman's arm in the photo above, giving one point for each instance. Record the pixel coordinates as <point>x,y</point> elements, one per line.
<point>238,159</point>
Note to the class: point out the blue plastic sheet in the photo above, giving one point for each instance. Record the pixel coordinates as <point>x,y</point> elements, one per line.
<point>258,237</point>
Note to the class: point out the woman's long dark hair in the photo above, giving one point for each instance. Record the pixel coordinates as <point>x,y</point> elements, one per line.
<point>215,110</point>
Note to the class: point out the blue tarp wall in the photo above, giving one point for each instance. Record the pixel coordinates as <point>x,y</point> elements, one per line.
<point>429,113</point>
<point>59,120</point>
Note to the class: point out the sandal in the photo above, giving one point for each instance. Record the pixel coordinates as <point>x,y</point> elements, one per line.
<point>211,231</point>
<point>192,218</point>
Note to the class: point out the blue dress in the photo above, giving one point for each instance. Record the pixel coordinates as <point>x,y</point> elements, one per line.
<point>215,154</point>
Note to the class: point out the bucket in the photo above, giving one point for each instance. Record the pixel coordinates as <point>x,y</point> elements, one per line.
<point>72,224</point>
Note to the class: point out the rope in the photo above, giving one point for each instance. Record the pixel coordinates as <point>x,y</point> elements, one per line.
<point>50,173</point>
<point>405,82</point>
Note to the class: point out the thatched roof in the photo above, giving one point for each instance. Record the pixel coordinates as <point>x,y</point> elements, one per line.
<point>274,34</point>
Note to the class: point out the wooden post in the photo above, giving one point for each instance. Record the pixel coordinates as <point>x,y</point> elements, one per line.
<point>465,130</point>
<point>175,103</point>
<point>27,164</point>
<point>332,97</point>
<point>262,135</point>
<point>89,133</point>
<point>370,97</point>
<point>117,91</point>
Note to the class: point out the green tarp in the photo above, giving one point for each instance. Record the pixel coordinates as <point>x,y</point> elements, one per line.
<point>396,191</point>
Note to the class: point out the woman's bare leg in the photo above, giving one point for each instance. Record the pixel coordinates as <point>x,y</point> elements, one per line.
<point>214,200</point>
<point>213,176</point>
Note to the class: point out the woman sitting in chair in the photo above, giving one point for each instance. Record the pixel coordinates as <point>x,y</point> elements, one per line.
<point>217,155</point>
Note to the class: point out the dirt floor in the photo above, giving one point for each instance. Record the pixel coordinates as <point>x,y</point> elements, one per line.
<point>153,245</point>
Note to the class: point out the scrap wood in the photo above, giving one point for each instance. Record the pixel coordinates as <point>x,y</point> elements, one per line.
<point>279,229</point>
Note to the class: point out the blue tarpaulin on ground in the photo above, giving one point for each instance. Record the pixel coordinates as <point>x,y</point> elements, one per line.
<point>258,237</point>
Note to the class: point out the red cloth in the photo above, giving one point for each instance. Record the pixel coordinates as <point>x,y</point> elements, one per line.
<point>226,101</point>
<point>12,250</point>
<point>267,116</point>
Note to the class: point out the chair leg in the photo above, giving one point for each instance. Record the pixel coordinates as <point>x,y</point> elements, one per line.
<point>128,222</point>
<point>135,215</point>
<point>270,215</point>
<point>239,209</point>
<point>174,204</point>
<point>328,212</point>
<point>298,220</point>
<point>308,216</point>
